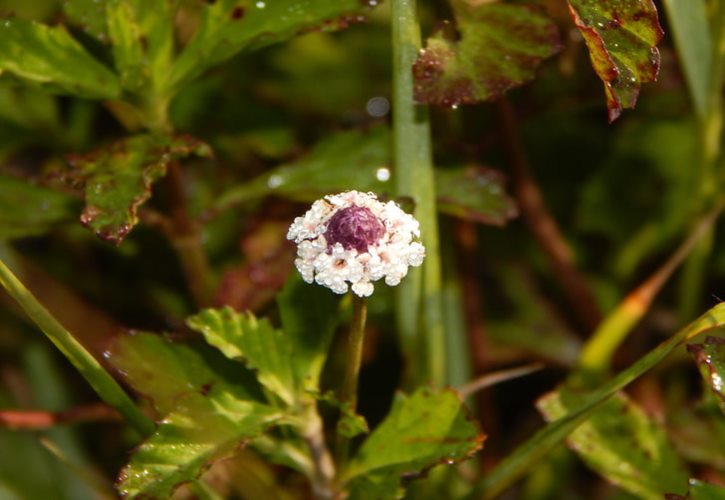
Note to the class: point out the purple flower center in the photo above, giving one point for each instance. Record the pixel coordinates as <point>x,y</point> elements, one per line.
<point>354,227</point>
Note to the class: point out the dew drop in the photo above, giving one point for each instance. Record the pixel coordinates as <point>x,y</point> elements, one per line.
<point>260,5</point>
<point>377,106</point>
<point>382,174</point>
<point>275,181</point>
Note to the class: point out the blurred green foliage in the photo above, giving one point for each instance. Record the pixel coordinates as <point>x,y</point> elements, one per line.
<point>207,126</point>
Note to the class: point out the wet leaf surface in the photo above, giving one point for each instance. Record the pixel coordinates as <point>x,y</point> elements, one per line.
<point>27,209</point>
<point>620,442</point>
<point>500,47</point>
<point>360,160</point>
<point>710,358</point>
<point>230,26</point>
<point>89,16</point>
<point>622,38</point>
<point>209,406</point>
<point>117,179</point>
<point>49,56</point>
<point>422,430</point>
<point>476,194</point>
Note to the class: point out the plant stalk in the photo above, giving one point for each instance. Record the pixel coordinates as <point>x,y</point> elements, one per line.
<point>353,361</point>
<point>186,239</point>
<point>99,379</point>
<point>419,300</point>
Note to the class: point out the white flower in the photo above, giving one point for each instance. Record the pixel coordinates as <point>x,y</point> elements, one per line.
<point>351,239</point>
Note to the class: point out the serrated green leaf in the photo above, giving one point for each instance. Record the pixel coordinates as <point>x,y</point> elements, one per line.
<point>201,429</point>
<point>27,209</point>
<point>165,371</point>
<point>142,33</point>
<point>49,56</point>
<point>88,15</point>
<point>622,38</point>
<point>117,179</point>
<point>620,442</point>
<point>210,405</point>
<point>710,359</point>
<point>229,26</point>
<point>425,429</point>
<point>262,347</point>
<point>500,47</point>
<point>691,31</point>
<point>473,193</point>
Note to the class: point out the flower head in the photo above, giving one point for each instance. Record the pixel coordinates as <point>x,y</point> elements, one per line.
<point>352,239</point>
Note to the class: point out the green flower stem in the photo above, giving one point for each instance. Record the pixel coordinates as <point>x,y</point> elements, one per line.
<point>101,381</point>
<point>353,360</point>
<point>418,297</point>
<point>353,357</point>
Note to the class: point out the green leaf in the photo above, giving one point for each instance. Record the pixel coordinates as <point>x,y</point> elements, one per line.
<point>309,317</point>
<point>473,193</point>
<point>117,179</point>
<point>546,439</point>
<point>323,172</point>
<point>476,194</point>
<point>710,358</point>
<point>201,429</point>
<point>422,430</point>
<point>700,490</point>
<point>88,15</point>
<point>142,33</point>
<point>623,444</point>
<point>164,370</point>
<point>50,56</point>
<point>229,26</point>
<point>500,47</point>
<point>621,36</point>
<point>210,405</point>
<point>27,209</point>
<point>691,31</point>
<point>263,348</point>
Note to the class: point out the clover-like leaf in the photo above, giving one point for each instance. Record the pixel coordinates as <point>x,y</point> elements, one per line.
<point>28,209</point>
<point>623,444</point>
<point>49,56</point>
<point>422,430</point>
<point>500,47</point>
<point>229,26</point>
<point>710,358</point>
<point>622,38</point>
<point>117,179</point>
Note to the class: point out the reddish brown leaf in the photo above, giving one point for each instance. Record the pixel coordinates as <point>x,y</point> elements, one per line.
<point>621,36</point>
